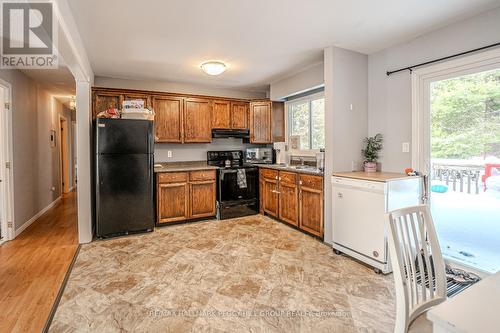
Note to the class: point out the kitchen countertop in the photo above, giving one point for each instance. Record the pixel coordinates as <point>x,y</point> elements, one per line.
<point>311,171</point>
<point>373,176</point>
<point>202,165</point>
<point>183,166</point>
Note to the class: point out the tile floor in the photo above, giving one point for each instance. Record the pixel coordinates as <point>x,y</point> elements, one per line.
<point>250,274</point>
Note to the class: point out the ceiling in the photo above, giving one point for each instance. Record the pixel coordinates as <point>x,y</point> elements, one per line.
<point>262,40</point>
<point>57,82</point>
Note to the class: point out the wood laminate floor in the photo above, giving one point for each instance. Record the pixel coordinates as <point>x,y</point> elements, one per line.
<point>251,274</point>
<point>32,267</point>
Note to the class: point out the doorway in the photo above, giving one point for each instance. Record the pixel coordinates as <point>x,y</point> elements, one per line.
<point>6,176</point>
<point>64,155</point>
<point>457,146</point>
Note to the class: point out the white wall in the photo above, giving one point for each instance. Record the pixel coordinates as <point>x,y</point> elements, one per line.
<point>346,77</point>
<point>36,165</point>
<point>390,97</point>
<point>309,78</point>
<point>182,88</point>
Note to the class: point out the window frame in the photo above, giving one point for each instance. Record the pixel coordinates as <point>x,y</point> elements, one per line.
<point>309,99</point>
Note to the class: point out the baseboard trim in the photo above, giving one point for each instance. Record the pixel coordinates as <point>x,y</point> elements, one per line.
<point>35,217</point>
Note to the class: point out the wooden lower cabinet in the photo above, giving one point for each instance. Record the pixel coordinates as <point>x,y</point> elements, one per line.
<point>173,202</point>
<point>296,199</point>
<point>202,196</point>
<point>288,193</point>
<point>185,195</point>
<point>269,195</point>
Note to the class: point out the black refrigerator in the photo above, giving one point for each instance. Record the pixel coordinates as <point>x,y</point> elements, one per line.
<point>124,198</point>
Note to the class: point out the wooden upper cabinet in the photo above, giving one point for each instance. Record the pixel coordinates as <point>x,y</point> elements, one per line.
<point>239,115</point>
<point>168,119</point>
<point>146,98</point>
<point>105,100</point>
<point>221,114</point>
<point>260,122</point>
<point>278,118</point>
<point>197,120</point>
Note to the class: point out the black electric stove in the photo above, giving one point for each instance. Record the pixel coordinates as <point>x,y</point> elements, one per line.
<point>237,184</point>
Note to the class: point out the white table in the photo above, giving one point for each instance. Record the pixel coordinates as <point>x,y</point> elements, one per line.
<point>477,309</point>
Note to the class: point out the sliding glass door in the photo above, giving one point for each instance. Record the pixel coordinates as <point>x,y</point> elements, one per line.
<point>459,150</point>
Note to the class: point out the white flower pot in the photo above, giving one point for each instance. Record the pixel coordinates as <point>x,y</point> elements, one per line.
<point>370,166</point>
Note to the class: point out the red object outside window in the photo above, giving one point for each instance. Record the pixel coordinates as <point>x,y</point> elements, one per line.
<point>487,172</point>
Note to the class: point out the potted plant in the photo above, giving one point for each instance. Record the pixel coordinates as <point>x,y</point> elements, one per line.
<point>373,145</point>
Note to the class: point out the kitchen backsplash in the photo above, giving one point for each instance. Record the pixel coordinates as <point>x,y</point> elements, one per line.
<point>197,151</point>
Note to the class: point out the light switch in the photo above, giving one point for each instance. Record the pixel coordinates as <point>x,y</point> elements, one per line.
<point>406,147</point>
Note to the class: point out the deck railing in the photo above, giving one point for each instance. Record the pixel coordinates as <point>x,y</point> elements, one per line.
<point>462,177</point>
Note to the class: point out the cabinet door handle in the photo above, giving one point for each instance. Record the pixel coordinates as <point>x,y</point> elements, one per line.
<point>279,178</point>
<point>276,177</point>
<point>275,191</point>
<point>340,195</point>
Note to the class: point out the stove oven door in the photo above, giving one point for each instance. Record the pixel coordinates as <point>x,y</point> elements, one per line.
<point>234,201</point>
<point>231,191</point>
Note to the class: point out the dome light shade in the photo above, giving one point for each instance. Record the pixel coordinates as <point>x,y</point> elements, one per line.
<point>213,67</point>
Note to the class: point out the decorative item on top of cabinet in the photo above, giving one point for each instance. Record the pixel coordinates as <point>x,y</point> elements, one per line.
<point>197,120</point>
<point>144,97</point>
<point>239,115</point>
<point>168,119</point>
<point>103,100</point>
<point>221,114</point>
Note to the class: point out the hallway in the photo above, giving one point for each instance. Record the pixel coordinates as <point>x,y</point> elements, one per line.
<point>33,266</point>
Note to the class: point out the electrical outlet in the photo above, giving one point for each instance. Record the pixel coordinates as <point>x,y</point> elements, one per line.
<point>405,147</point>
<point>351,107</point>
<point>354,166</point>
<point>169,153</point>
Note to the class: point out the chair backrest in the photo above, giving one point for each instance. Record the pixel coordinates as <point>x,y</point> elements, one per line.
<point>418,265</point>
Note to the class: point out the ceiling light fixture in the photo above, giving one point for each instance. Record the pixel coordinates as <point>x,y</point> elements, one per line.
<point>72,103</point>
<point>213,67</point>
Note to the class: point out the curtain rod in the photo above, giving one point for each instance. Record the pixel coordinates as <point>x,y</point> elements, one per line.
<point>410,68</point>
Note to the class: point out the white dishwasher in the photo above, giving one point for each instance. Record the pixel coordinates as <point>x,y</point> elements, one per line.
<point>360,214</point>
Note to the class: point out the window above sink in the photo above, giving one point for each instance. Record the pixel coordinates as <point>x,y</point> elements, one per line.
<point>306,122</point>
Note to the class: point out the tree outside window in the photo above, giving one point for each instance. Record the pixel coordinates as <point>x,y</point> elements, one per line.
<point>307,120</point>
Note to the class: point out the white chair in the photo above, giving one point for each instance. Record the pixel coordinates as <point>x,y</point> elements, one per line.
<point>419,270</point>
